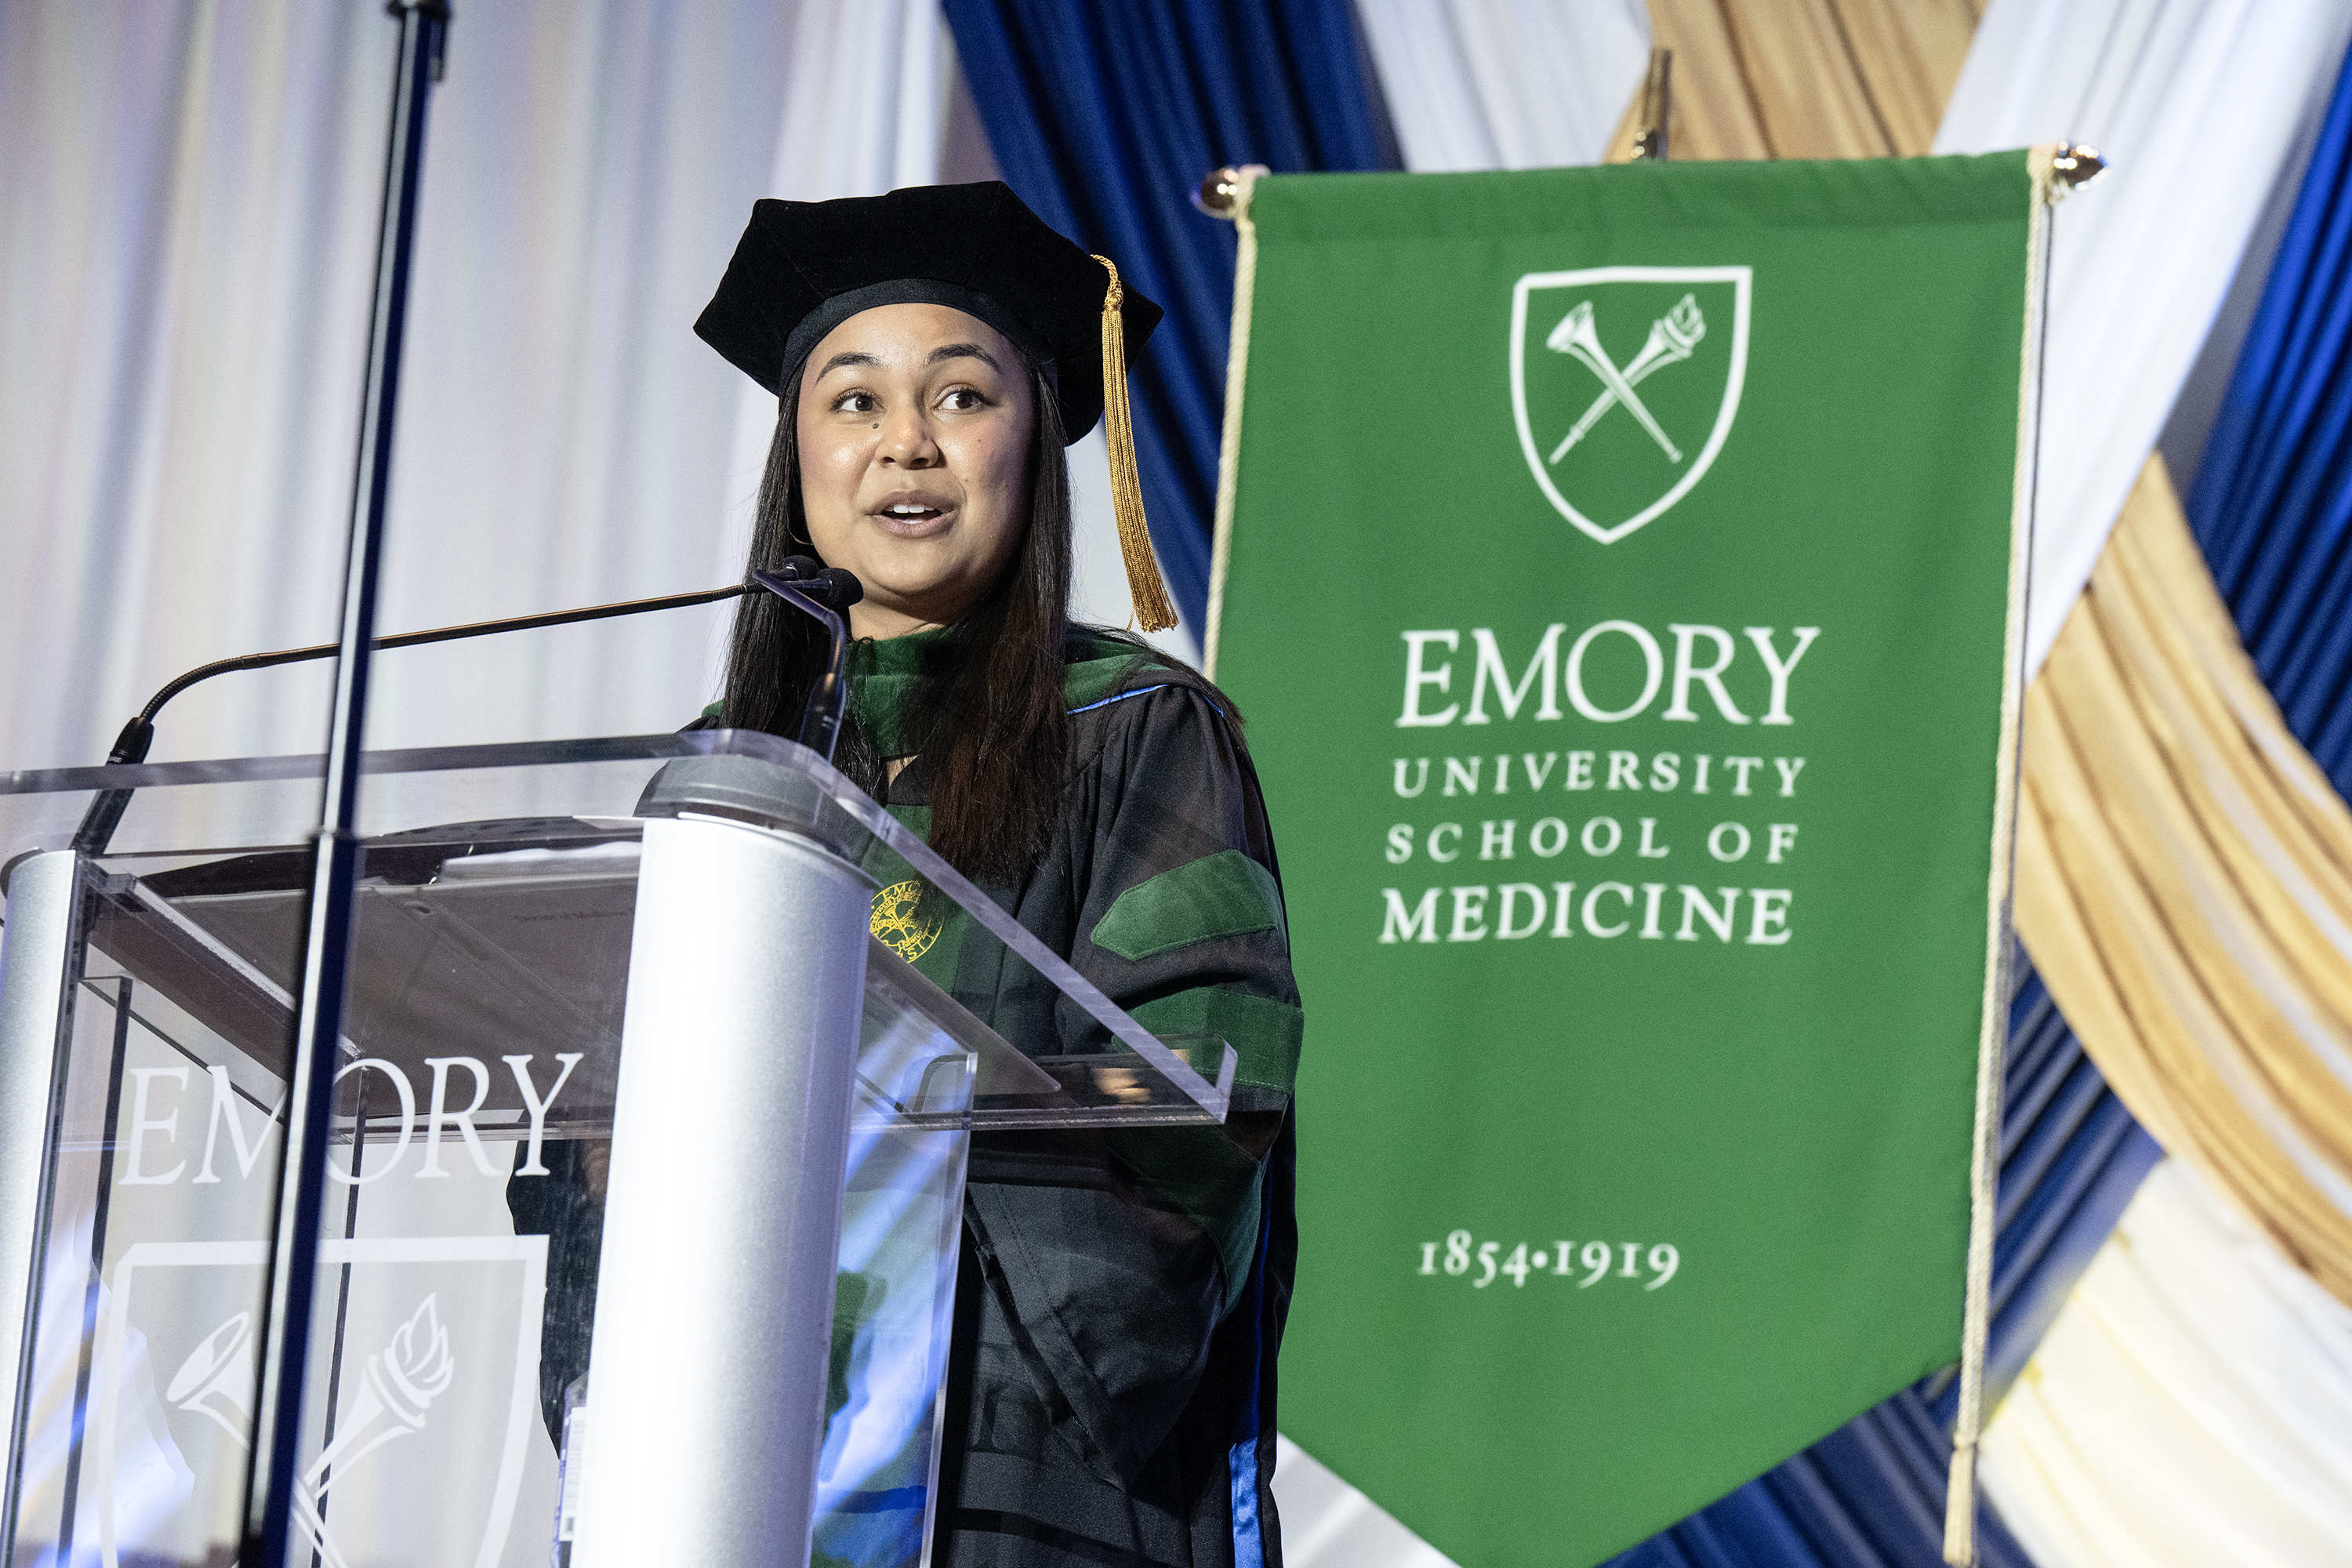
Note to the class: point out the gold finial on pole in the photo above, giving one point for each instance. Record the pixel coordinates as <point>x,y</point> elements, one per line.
<point>1219,194</point>
<point>2061,168</point>
<point>1658,102</point>
<point>2077,164</point>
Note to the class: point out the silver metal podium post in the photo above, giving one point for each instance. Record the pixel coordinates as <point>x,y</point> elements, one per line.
<point>35,950</point>
<point>715,1313</point>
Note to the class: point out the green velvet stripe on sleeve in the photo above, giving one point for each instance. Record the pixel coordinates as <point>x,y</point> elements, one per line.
<point>1199,1169</point>
<point>1264,1034</point>
<point>1218,894</point>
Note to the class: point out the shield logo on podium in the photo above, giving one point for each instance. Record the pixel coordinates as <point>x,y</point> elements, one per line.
<point>1624,384</point>
<point>435,1402</point>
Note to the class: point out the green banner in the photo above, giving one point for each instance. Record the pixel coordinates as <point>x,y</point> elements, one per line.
<point>1618,579</point>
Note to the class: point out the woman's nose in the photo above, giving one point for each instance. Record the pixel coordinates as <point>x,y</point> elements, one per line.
<point>907,441</point>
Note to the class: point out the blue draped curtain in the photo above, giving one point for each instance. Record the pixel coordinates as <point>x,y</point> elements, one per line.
<point>1103,117</point>
<point>2272,502</point>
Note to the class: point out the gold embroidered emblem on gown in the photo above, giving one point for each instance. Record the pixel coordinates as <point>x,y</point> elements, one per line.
<point>902,920</point>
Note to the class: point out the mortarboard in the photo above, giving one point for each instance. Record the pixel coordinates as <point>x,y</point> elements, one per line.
<point>802,268</point>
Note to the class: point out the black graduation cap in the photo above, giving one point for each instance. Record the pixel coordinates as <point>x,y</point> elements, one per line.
<point>802,268</point>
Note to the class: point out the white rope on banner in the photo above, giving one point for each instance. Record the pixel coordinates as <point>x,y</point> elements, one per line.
<point>1229,441</point>
<point>2043,192</point>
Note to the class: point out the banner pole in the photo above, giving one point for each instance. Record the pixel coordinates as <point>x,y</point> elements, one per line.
<point>1225,192</point>
<point>2052,171</point>
<point>1650,141</point>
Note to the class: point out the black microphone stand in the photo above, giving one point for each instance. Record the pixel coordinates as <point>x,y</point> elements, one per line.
<point>326,953</point>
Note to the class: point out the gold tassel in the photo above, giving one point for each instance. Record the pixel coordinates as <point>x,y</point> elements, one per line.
<point>1153,612</point>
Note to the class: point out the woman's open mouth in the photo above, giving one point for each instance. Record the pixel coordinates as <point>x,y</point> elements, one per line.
<point>912,519</point>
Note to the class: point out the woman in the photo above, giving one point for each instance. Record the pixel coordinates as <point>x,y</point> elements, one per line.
<point>1121,1297</point>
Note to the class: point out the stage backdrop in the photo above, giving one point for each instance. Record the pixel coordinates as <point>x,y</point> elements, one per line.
<point>1619,572</point>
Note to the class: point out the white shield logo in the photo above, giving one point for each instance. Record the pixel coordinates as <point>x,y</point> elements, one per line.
<point>1625,383</point>
<point>426,1458</point>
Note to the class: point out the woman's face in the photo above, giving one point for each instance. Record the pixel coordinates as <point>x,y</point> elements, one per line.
<point>914,432</point>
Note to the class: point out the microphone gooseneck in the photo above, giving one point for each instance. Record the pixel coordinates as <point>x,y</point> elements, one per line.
<point>825,594</point>
<point>105,809</point>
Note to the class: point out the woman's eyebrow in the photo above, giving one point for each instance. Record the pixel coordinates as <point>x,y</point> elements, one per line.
<point>852,357</point>
<point>963,351</point>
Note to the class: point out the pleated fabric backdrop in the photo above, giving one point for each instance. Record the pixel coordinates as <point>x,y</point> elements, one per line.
<point>2271,507</point>
<point>2201,104</point>
<point>2164,1427</point>
<point>2183,863</point>
<point>2185,877</point>
<point>2193,1403</point>
<point>190,190</point>
<point>1822,78</point>
<point>1505,84</point>
<point>191,193</point>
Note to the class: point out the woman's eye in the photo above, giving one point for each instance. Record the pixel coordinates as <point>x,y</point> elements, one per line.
<point>856,403</point>
<point>962,399</point>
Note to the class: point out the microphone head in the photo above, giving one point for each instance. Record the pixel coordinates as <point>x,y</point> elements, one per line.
<point>830,587</point>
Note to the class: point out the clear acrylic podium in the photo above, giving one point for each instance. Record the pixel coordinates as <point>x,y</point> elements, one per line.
<point>628,983</point>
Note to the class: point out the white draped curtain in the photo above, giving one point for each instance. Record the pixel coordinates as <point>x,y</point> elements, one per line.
<point>563,436</point>
<point>2201,105</point>
<point>190,194</point>
<point>1506,84</point>
<point>190,190</point>
<point>2191,1405</point>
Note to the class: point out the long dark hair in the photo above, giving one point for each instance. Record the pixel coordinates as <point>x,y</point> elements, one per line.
<point>987,718</point>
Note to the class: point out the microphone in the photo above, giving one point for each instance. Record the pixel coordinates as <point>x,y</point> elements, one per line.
<point>825,594</point>
<point>105,809</point>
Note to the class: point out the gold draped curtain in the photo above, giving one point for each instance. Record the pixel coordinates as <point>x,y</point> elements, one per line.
<point>2184,870</point>
<point>1807,79</point>
<point>2184,884</point>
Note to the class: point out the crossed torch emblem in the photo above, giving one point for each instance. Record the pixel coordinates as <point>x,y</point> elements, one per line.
<point>1672,336</point>
<point>399,1383</point>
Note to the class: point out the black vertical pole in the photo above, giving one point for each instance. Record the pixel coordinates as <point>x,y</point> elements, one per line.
<point>326,956</point>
